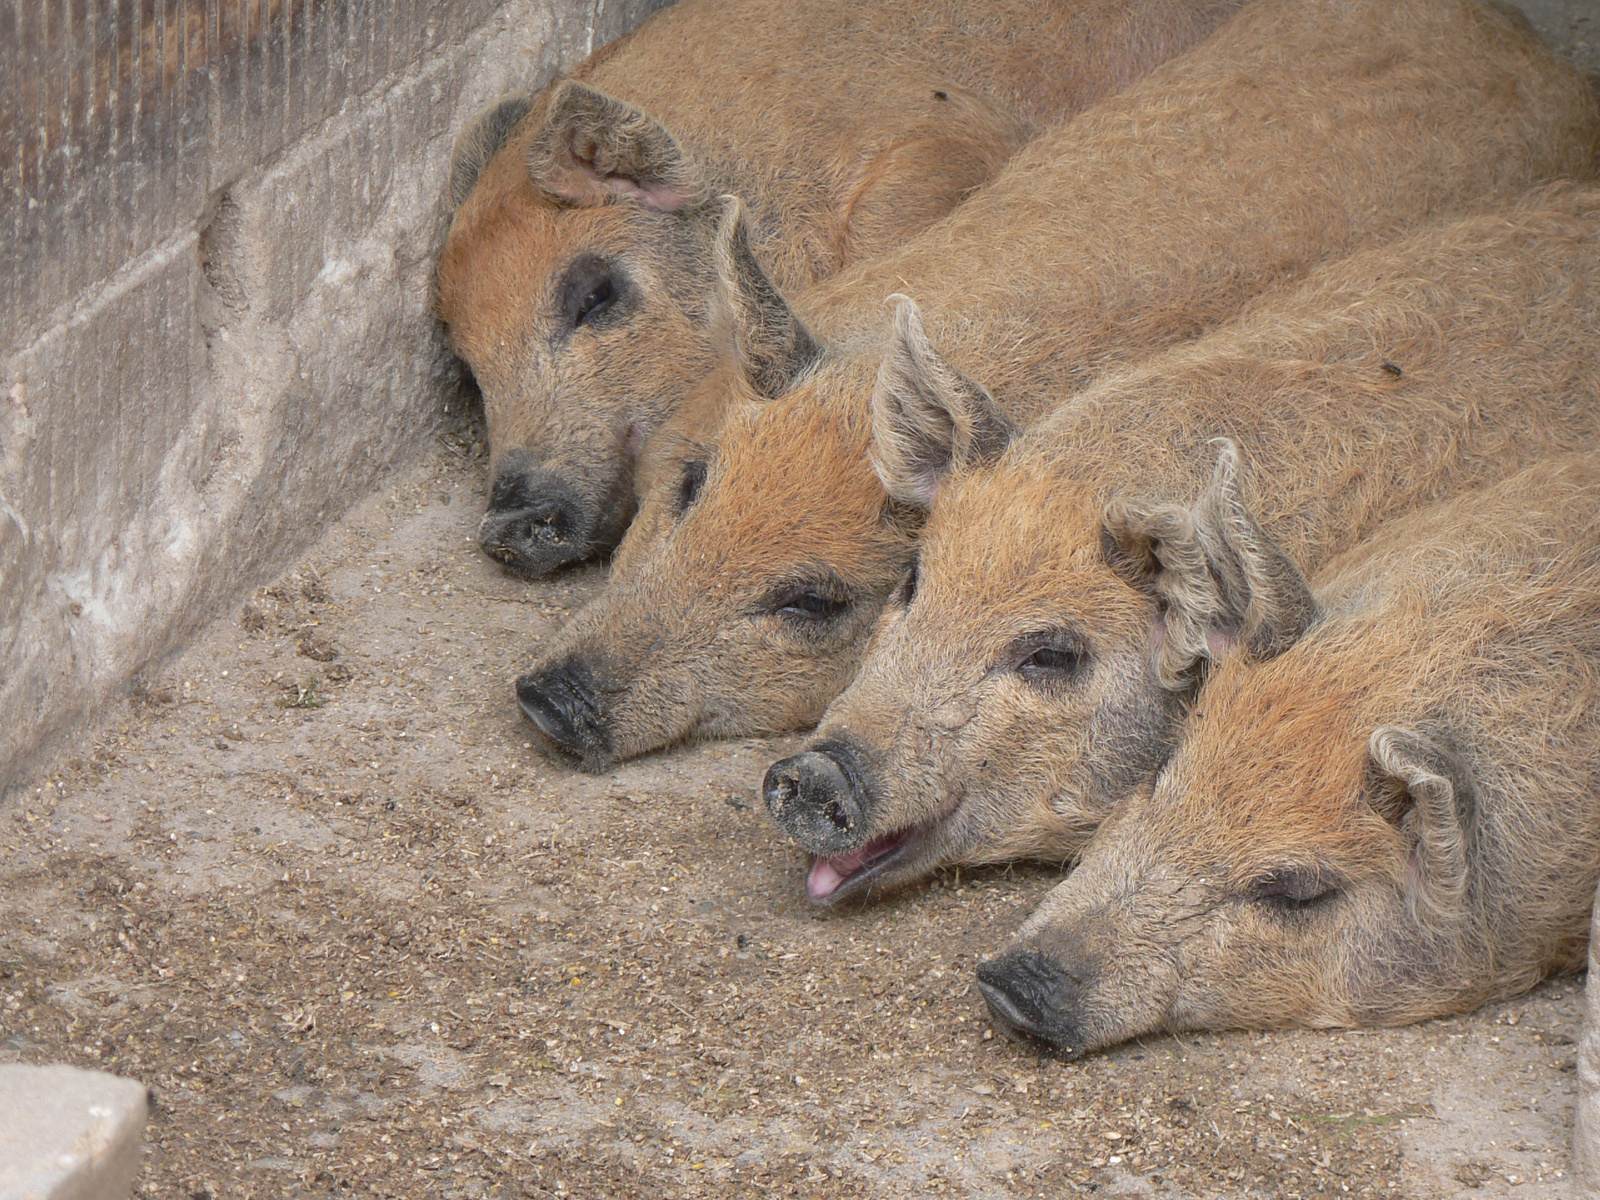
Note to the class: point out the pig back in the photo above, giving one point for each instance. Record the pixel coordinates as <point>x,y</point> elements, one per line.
<point>1398,377</point>
<point>801,108</point>
<point>1298,132</point>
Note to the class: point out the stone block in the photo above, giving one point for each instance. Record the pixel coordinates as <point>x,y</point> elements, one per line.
<point>1586,1113</point>
<point>68,1134</point>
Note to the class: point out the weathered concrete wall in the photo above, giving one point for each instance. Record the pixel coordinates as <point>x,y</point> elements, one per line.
<point>215,272</point>
<point>1572,27</point>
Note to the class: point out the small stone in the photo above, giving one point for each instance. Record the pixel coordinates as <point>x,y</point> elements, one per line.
<point>319,649</point>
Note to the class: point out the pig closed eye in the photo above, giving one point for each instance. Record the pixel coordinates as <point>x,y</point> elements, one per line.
<point>807,604</point>
<point>908,587</point>
<point>1294,892</point>
<point>1050,661</point>
<point>593,293</point>
<point>694,478</point>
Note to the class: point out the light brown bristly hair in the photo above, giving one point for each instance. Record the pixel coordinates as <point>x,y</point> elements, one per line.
<point>1395,817</point>
<point>1119,538</point>
<point>1300,131</point>
<point>576,276</point>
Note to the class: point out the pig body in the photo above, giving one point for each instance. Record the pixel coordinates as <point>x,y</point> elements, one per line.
<point>741,599</point>
<point>1030,681</point>
<point>576,273</point>
<point>1392,815</point>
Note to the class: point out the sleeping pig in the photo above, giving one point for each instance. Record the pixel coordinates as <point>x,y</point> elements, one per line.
<point>1010,695</point>
<point>1386,805</point>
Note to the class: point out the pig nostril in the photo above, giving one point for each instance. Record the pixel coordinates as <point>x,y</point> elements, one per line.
<point>1034,994</point>
<point>546,530</point>
<point>510,535</point>
<point>563,702</point>
<point>838,816</point>
<point>781,791</point>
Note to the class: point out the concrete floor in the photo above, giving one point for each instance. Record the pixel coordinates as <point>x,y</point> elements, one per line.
<point>1481,1107</point>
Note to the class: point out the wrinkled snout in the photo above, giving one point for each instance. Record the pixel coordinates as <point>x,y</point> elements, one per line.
<point>819,798</point>
<point>1032,995</point>
<point>564,703</point>
<point>538,521</point>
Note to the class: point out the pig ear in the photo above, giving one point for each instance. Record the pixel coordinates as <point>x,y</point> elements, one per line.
<point>1154,549</point>
<point>1426,791</point>
<point>476,144</point>
<point>770,343</point>
<point>928,419</point>
<point>1268,598</point>
<point>595,148</point>
<point>1221,581</point>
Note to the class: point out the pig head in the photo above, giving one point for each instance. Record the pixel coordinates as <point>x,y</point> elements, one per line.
<point>573,283</point>
<point>1383,812</point>
<point>1010,696</point>
<point>745,591</point>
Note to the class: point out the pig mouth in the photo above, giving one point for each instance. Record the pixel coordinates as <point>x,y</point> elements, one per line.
<point>833,879</point>
<point>830,880</point>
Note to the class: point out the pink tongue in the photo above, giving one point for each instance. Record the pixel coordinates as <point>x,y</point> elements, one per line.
<point>828,873</point>
<point>825,878</point>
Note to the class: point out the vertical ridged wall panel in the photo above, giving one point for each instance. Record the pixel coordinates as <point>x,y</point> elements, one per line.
<point>122,120</point>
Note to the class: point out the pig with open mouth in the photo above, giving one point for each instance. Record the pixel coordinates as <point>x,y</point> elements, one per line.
<point>1024,679</point>
<point>1388,811</point>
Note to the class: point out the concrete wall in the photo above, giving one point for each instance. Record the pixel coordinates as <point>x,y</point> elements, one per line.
<point>1572,27</point>
<point>216,260</point>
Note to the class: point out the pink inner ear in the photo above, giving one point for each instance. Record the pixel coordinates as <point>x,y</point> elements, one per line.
<point>657,197</point>
<point>574,182</point>
<point>1413,875</point>
<point>577,182</point>
<point>1219,644</point>
<point>1158,633</point>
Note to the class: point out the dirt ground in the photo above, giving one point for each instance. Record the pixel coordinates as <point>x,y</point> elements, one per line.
<point>315,886</point>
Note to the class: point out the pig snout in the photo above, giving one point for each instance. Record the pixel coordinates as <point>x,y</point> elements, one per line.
<point>565,704</point>
<point>536,521</point>
<point>819,798</point>
<point>1032,995</point>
